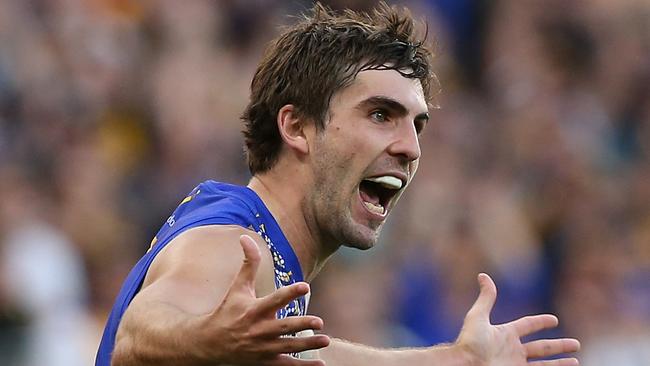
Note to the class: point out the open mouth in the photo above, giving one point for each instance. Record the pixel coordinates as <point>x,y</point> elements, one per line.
<point>377,192</point>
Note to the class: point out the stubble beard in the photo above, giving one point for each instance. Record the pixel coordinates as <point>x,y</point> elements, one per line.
<point>333,202</point>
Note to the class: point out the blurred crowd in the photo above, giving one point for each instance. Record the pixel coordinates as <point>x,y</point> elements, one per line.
<point>535,167</point>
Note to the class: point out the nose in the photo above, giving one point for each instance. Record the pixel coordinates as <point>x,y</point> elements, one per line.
<point>406,144</point>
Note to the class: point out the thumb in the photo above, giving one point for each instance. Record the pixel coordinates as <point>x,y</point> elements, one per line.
<point>486,298</point>
<point>251,262</point>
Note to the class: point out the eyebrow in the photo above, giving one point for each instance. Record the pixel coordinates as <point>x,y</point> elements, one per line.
<point>391,105</point>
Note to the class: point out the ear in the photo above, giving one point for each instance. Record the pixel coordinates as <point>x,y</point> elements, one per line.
<point>292,129</point>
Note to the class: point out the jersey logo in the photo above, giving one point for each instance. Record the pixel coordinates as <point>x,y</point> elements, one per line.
<point>171,220</point>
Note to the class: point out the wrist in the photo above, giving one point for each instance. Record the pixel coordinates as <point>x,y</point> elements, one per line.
<point>454,354</point>
<point>465,356</point>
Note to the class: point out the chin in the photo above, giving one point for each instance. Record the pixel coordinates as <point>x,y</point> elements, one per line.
<point>364,246</point>
<point>362,238</point>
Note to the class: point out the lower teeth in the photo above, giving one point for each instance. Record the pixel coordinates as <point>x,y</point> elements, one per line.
<point>379,209</point>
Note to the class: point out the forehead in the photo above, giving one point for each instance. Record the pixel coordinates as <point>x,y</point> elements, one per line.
<point>385,83</point>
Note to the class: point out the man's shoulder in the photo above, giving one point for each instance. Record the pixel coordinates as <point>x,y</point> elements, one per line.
<point>210,249</point>
<point>222,239</point>
<point>203,232</point>
<point>208,220</point>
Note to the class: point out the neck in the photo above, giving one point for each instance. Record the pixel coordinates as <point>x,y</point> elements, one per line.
<point>286,202</point>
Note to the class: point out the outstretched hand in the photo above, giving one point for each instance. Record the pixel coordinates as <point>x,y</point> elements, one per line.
<point>243,330</point>
<point>500,345</point>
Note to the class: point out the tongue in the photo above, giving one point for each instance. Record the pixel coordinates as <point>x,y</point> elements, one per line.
<point>369,197</point>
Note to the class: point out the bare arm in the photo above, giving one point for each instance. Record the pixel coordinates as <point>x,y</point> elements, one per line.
<point>343,353</point>
<point>479,343</point>
<point>199,305</point>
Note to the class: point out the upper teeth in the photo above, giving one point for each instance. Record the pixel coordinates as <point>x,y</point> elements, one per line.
<point>387,181</point>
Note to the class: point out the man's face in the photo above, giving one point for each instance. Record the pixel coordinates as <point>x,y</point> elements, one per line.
<point>366,155</point>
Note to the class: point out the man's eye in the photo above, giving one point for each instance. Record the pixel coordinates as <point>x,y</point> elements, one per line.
<point>419,126</point>
<point>379,116</point>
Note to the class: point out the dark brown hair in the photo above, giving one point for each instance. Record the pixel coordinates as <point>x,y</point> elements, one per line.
<point>319,56</point>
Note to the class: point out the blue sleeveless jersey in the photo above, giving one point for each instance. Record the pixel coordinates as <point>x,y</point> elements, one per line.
<point>211,203</point>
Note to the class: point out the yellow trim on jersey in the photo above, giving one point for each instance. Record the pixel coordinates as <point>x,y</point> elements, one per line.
<point>153,242</point>
<point>190,197</point>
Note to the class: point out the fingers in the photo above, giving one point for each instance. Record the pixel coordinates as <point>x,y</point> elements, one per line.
<point>290,325</point>
<point>551,347</point>
<point>486,298</point>
<point>252,257</point>
<point>533,323</point>
<point>560,362</point>
<point>297,344</point>
<point>281,297</point>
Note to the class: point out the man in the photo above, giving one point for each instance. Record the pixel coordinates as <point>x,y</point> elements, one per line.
<point>337,105</point>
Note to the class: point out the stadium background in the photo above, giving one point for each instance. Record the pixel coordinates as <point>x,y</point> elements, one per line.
<point>536,169</point>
